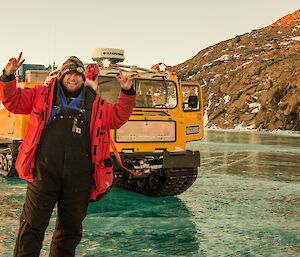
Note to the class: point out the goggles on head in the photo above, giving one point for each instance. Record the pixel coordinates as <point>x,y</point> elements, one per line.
<point>76,70</point>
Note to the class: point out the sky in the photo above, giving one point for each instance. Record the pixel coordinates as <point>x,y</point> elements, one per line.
<point>149,31</point>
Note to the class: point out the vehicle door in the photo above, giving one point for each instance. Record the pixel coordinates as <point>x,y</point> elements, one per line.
<point>192,109</point>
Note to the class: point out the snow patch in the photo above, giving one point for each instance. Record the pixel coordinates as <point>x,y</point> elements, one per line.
<point>238,67</point>
<point>256,107</point>
<point>237,55</point>
<point>205,117</point>
<point>226,98</point>
<point>296,38</point>
<point>190,77</point>
<point>223,58</point>
<point>240,127</point>
<point>284,43</point>
<point>207,53</point>
<point>246,63</point>
<point>214,126</point>
<point>184,67</point>
<point>256,110</point>
<point>268,45</point>
<point>207,65</point>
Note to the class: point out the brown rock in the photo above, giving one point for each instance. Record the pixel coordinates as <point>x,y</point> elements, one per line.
<point>275,46</point>
<point>263,70</point>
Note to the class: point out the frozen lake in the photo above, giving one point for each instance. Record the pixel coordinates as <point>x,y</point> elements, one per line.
<point>245,202</point>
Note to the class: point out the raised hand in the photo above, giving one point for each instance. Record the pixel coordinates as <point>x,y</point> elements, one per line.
<point>13,65</point>
<point>125,81</point>
<point>91,74</point>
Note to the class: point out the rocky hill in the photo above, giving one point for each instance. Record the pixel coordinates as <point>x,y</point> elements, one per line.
<point>252,80</point>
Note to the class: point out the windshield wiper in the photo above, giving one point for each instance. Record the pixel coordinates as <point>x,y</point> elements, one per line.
<point>160,106</point>
<point>106,81</point>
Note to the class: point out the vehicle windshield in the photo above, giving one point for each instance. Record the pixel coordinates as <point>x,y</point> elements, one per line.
<point>109,88</point>
<point>149,93</point>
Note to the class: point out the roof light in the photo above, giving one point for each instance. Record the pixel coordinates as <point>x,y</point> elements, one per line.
<point>159,67</point>
<point>105,63</point>
<point>162,67</point>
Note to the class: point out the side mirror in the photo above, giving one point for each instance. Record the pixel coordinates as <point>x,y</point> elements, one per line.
<point>193,101</point>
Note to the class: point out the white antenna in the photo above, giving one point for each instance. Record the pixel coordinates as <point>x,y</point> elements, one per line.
<point>54,46</point>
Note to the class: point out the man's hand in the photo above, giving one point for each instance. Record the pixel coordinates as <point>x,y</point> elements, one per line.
<point>13,65</point>
<point>91,74</point>
<point>125,81</point>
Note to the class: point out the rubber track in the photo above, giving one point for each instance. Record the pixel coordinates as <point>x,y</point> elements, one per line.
<point>167,182</point>
<point>11,172</point>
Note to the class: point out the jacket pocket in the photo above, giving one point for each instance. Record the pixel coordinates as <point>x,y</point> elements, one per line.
<point>25,159</point>
<point>103,180</point>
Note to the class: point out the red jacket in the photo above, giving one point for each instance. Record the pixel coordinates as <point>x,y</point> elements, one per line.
<point>37,102</point>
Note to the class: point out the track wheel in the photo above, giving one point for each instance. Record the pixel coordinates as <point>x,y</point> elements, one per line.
<point>4,166</point>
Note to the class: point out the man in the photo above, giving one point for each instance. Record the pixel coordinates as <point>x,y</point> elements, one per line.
<point>65,152</point>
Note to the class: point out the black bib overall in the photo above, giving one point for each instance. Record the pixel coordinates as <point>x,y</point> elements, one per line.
<point>63,176</point>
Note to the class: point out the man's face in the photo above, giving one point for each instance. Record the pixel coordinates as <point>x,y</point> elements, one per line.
<point>72,82</point>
